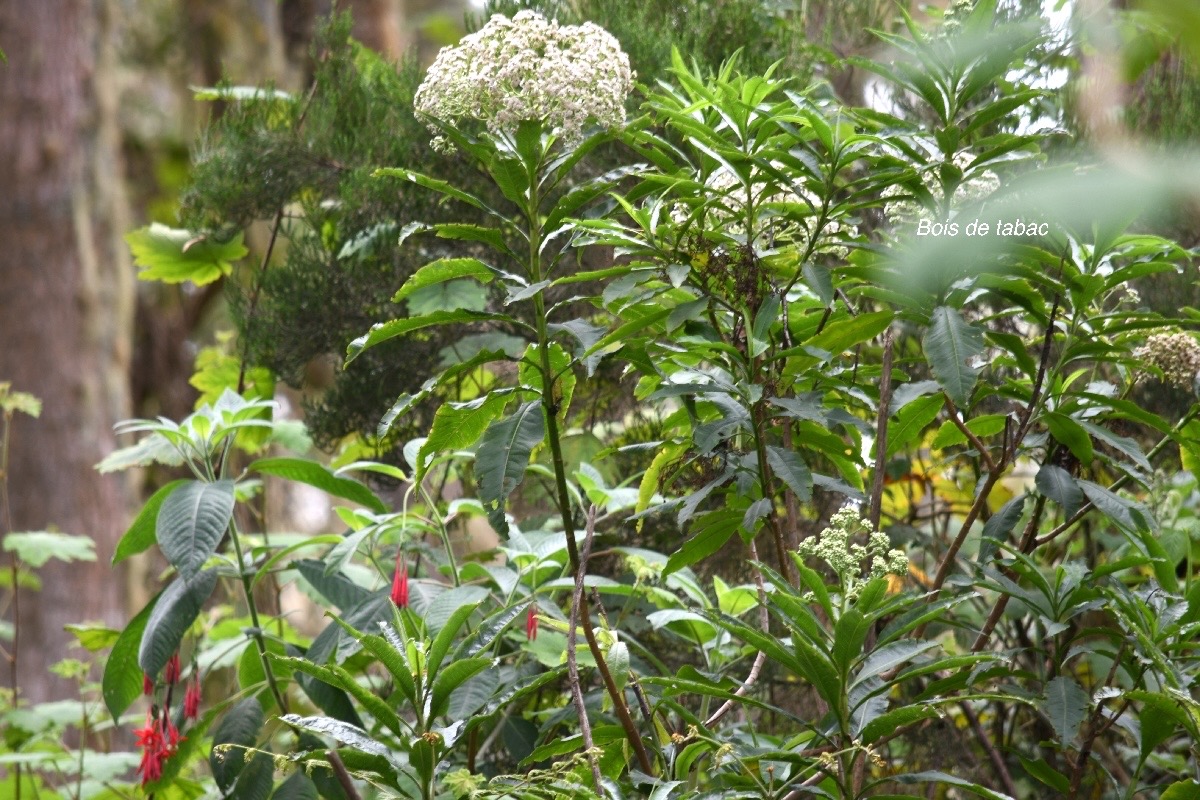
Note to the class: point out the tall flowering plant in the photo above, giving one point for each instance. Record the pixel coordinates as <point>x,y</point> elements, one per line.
<point>527,99</point>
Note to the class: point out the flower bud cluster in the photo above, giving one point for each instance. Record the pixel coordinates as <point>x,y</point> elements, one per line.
<point>848,558</point>
<point>529,68</point>
<point>1176,354</point>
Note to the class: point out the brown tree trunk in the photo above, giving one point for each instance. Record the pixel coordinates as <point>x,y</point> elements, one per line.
<point>66,301</point>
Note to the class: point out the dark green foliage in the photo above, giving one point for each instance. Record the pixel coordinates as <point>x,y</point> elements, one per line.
<point>336,262</point>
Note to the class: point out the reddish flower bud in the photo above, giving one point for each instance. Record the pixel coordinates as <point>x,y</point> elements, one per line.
<point>147,685</point>
<point>191,698</point>
<point>400,584</point>
<point>531,622</point>
<point>171,675</point>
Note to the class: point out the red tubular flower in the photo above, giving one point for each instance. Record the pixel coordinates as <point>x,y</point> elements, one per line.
<point>172,670</point>
<point>400,584</point>
<point>158,740</point>
<point>191,698</point>
<point>531,622</point>
<point>147,685</point>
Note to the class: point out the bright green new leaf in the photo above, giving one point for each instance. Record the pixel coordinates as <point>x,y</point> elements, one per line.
<point>442,270</point>
<point>174,255</point>
<point>35,548</point>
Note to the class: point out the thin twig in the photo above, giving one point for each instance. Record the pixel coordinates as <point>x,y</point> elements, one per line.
<point>343,775</point>
<point>585,725</point>
<point>971,437</point>
<point>1025,546</point>
<point>993,754</point>
<point>881,431</point>
<point>1093,728</point>
<point>764,621</point>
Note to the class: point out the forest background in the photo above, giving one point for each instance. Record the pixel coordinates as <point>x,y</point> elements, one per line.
<point>98,121</point>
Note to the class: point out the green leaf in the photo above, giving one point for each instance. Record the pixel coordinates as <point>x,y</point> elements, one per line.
<point>296,786</point>
<point>341,678</point>
<point>450,628</point>
<point>912,420</point>
<point>176,610</point>
<point>343,732</point>
<point>239,727</point>
<point>1182,790</point>
<point>385,331</point>
<point>502,456</point>
<point>141,533</point>
<point>472,695</point>
<point>35,548</point>
<point>884,724</point>
<point>1131,516</point>
<point>454,675</point>
<point>337,589</point>
<point>842,335</point>
<point>709,534</point>
<point>442,270</point>
<point>949,344</point>
<point>790,468</point>
<point>890,656</point>
<point>1057,484</point>
<point>192,521</point>
<point>432,183</point>
<point>1039,769</point>
<point>999,527</point>
<point>256,778</point>
<point>849,635</point>
<point>122,680</point>
<point>982,426</point>
<point>449,296</point>
<point>1065,705</point>
<point>314,474</point>
<point>457,426</point>
<point>1070,433</point>
<point>173,255</point>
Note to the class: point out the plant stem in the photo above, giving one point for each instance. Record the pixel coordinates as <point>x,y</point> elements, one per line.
<point>15,572</point>
<point>257,633</point>
<point>550,409</point>
<point>585,725</point>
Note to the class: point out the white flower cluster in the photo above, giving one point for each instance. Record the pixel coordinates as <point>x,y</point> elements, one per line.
<point>1176,354</point>
<point>834,545</point>
<point>529,68</point>
<point>727,211</point>
<point>908,212</point>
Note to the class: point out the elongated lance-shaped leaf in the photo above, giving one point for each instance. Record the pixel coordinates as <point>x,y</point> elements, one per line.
<point>502,456</point>
<point>489,630</point>
<point>176,610</point>
<point>949,344</point>
<point>122,681</point>
<point>310,472</point>
<point>191,522</point>
<point>443,270</point>
<point>385,331</point>
<point>454,675</point>
<point>343,732</point>
<point>391,657</point>
<point>341,678</point>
